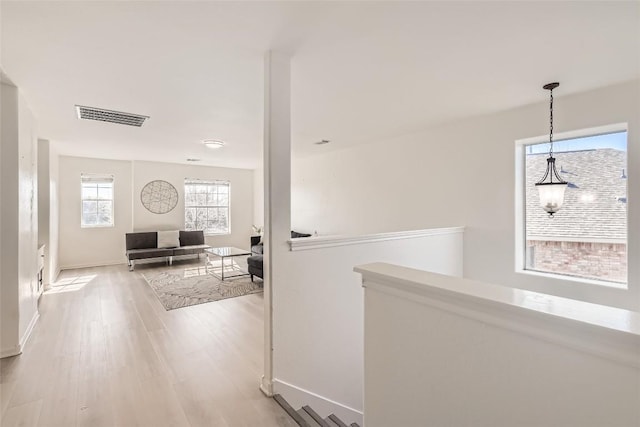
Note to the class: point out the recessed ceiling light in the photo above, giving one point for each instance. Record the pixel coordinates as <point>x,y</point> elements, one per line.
<point>213,143</point>
<point>193,160</point>
<point>322,142</point>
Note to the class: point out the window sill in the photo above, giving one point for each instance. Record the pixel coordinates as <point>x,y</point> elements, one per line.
<point>217,234</point>
<point>566,278</point>
<point>98,226</point>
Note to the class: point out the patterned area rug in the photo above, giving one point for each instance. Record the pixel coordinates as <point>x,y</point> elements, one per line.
<point>182,287</point>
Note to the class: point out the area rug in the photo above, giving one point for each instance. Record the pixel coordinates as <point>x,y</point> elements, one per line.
<point>182,287</point>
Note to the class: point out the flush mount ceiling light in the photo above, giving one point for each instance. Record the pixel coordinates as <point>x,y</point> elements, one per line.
<point>193,160</point>
<point>110,116</point>
<point>213,143</point>
<point>551,187</point>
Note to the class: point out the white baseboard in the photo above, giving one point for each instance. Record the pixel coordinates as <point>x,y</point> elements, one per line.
<point>12,351</point>
<point>27,333</point>
<point>297,397</point>
<point>101,264</point>
<point>55,276</point>
<point>18,349</point>
<point>266,386</point>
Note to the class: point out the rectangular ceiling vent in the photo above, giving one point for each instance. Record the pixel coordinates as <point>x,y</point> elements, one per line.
<point>100,114</point>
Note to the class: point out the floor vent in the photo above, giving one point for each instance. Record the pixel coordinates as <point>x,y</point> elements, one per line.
<point>119,117</point>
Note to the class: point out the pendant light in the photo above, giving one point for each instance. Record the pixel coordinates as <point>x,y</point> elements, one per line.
<point>551,187</point>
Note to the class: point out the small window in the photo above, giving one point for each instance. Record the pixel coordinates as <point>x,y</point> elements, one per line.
<point>206,206</point>
<point>97,200</point>
<point>587,237</point>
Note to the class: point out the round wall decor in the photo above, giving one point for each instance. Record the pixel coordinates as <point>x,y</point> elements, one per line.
<point>159,197</point>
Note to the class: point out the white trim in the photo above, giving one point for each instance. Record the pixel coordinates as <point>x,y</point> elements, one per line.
<point>98,226</point>
<point>607,332</point>
<point>18,349</point>
<point>108,179</point>
<point>266,386</point>
<point>577,279</point>
<point>573,134</point>
<point>577,240</point>
<point>297,397</point>
<point>9,352</point>
<point>27,333</point>
<point>194,181</point>
<point>520,208</point>
<point>89,265</point>
<point>306,243</point>
<point>55,276</point>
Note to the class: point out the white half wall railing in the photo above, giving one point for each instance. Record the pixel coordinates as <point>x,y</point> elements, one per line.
<point>446,351</point>
<point>318,311</point>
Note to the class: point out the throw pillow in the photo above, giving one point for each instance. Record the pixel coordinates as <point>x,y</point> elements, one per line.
<point>295,234</point>
<point>168,239</point>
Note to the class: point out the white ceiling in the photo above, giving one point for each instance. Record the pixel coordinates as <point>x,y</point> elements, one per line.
<point>361,71</point>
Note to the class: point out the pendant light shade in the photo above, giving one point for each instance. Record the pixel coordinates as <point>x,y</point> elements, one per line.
<point>551,193</point>
<point>551,187</point>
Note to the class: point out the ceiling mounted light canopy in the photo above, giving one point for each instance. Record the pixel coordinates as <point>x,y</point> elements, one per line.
<point>213,143</point>
<point>551,187</point>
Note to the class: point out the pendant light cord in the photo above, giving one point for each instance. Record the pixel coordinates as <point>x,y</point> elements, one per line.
<point>551,125</point>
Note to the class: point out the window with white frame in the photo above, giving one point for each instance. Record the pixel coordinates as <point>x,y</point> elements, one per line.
<point>97,200</point>
<point>206,206</point>
<point>587,237</point>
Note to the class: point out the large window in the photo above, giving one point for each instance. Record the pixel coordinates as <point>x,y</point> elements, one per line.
<point>97,200</point>
<point>587,238</point>
<point>206,206</point>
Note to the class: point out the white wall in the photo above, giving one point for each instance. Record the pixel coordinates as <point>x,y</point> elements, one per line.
<point>318,315</point>
<point>54,213</point>
<point>28,220</point>
<point>44,213</point>
<point>464,173</point>
<point>80,247</point>
<point>241,181</point>
<point>9,202</point>
<point>258,197</point>
<point>442,351</point>
<point>19,257</point>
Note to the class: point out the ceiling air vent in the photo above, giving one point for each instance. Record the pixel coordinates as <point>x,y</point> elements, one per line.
<point>100,114</point>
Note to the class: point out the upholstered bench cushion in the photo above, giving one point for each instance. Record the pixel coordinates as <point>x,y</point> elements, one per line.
<point>255,261</point>
<point>189,250</point>
<point>191,238</point>
<point>148,253</point>
<point>145,240</point>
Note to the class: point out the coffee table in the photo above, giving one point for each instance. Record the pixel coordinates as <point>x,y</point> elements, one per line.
<point>223,253</point>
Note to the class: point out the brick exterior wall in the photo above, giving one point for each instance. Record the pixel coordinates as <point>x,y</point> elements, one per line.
<point>601,261</point>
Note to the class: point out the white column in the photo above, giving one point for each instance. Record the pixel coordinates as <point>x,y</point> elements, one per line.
<point>9,194</point>
<point>277,191</point>
<point>44,197</point>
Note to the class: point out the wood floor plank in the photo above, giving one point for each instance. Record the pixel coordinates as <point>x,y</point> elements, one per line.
<point>6,390</point>
<point>161,403</point>
<point>198,405</point>
<point>24,415</point>
<point>106,353</point>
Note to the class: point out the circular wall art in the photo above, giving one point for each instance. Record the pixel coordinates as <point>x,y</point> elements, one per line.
<point>159,197</point>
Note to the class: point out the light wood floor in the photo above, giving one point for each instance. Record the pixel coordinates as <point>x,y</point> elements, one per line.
<point>106,353</point>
